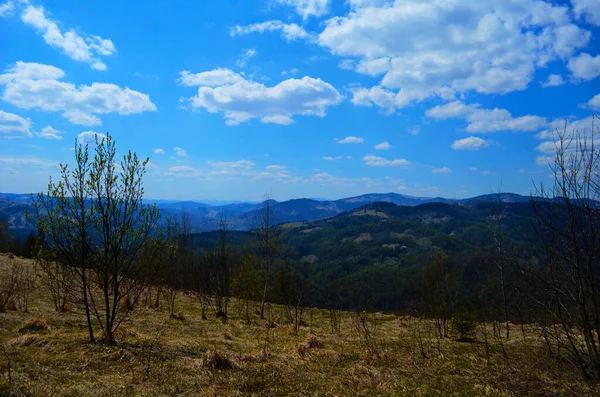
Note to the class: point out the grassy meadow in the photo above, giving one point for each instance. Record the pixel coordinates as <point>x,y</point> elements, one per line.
<point>46,353</point>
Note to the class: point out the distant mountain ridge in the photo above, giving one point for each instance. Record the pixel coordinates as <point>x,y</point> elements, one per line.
<point>205,216</point>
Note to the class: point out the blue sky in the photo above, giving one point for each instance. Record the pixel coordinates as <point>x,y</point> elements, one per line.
<point>301,98</point>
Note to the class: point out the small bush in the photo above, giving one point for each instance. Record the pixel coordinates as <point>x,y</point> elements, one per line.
<point>217,361</point>
<point>34,325</point>
<point>464,324</point>
<point>179,316</point>
<point>11,305</point>
<point>313,343</point>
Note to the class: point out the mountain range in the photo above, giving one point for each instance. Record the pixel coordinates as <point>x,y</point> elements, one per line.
<point>205,215</point>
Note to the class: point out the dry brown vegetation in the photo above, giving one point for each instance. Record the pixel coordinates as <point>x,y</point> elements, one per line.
<point>373,354</point>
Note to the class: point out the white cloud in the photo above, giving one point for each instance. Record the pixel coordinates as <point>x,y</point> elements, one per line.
<point>275,167</point>
<point>473,169</point>
<point>350,139</point>
<point>291,72</point>
<point>212,78</point>
<point>183,171</point>
<point>558,126</point>
<point>330,158</point>
<point>232,165</point>
<point>12,125</point>
<point>584,66</point>
<point>307,8</point>
<point>423,49</point>
<point>486,120</point>
<point>589,9</point>
<point>89,137</point>
<point>50,133</point>
<point>470,143</point>
<point>179,152</point>
<point>325,178</point>
<point>37,86</point>
<point>443,170</point>
<point>290,32</point>
<point>374,161</point>
<point>551,137</point>
<point>347,64</point>
<point>27,162</point>
<point>7,9</point>
<point>158,151</point>
<point>84,48</point>
<point>245,57</point>
<point>593,104</point>
<point>554,80</point>
<point>224,91</point>
<point>383,146</point>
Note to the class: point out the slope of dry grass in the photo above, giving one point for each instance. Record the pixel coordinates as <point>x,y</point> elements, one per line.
<point>159,355</point>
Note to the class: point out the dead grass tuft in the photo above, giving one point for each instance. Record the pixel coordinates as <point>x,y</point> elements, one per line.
<point>34,325</point>
<point>27,340</point>
<point>313,343</point>
<point>120,355</point>
<point>215,360</point>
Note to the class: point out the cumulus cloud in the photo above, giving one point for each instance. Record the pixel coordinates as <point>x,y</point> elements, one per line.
<point>470,143</point>
<point>350,139</point>
<point>383,146</point>
<point>12,125</point>
<point>239,100</point>
<point>289,31</point>
<point>375,161</point>
<point>38,86</point>
<point>554,80</point>
<point>89,137</point>
<point>50,133</point>
<point>593,104</point>
<point>183,171</point>
<point>245,57</point>
<point>7,9</point>
<point>587,9</point>
<point>82,48</point>
<point>486,120</point>
<point>307,8</point>
<point>443,170</point>
<point>439,48</point>
<point>584,66</point>
<point>558,126</point>
<point>551,136</point>
<point>179,152</point>
<point>158,151</point>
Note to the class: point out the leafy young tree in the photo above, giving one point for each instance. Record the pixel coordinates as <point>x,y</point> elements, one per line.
<point>94,221</point>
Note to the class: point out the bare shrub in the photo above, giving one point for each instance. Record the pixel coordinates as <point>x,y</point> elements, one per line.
<point>34,325</point>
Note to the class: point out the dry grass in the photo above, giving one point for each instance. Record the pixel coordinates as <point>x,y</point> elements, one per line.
<point>159,355</point>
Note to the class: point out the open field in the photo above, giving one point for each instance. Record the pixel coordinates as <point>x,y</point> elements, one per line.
<point>159,355</point>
